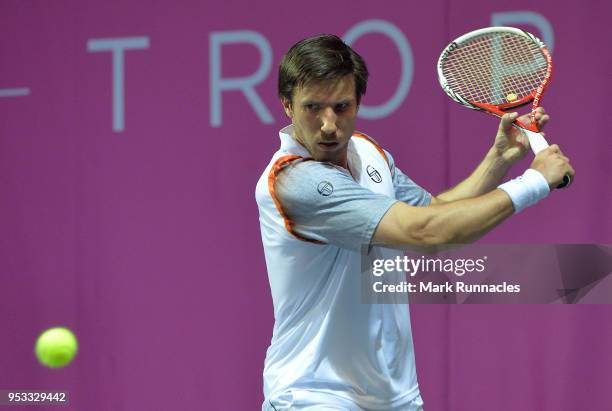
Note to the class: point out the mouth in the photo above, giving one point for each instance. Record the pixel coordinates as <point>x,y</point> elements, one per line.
<point>328,145</point>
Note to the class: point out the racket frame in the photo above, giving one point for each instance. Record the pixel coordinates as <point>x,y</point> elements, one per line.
<point>536,139</point>
<point>499,109</point>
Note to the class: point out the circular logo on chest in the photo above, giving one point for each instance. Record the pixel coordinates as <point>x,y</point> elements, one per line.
<point>325,188</point>
<point>374,174</point>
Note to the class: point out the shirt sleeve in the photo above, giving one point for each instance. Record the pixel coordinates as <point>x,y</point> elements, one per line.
<point>407,190</point>
<point>326,204</point>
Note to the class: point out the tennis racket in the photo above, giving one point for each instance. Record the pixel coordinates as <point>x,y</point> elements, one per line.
<point>497,69</point>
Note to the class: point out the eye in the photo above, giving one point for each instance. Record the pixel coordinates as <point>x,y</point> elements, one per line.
<point>313,107</point>
<point>340,107</point>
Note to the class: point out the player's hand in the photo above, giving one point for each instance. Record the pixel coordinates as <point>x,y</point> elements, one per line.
<point>511,144</point>
<point>553,165</point>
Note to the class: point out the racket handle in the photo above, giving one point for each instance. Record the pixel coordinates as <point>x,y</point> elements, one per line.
<point>539,143</point>
<point>536,140</point>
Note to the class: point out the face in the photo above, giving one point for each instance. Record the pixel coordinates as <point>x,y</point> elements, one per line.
<point>323,116</point>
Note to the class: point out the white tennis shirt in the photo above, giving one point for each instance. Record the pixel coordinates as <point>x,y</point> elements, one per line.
<point>328,345</point>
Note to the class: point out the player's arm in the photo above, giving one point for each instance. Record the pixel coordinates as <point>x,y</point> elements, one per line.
<point>465,221</point>
<point>488,175</point>
<point>510,147</point>
<point>455,222</point>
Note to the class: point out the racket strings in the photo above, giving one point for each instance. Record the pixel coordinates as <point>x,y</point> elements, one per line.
<point>519,83</point>
<point>495,68</point>
<point>493,88</point>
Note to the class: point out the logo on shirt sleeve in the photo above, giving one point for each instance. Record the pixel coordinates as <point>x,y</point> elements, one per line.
<point>374,174</point>
<point>325,188</point>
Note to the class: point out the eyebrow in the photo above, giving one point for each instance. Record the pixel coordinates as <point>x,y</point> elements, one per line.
<point>343,101</point>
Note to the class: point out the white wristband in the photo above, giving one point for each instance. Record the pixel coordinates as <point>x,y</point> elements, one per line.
<point>526,190</point>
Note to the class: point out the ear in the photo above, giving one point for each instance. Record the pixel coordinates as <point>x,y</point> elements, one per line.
<point>287,106</point>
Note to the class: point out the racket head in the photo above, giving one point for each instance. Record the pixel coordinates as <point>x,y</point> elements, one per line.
<point>496,69</point>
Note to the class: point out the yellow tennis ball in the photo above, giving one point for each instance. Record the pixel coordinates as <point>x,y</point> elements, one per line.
<point>56,347</point>
<point>511,97</point>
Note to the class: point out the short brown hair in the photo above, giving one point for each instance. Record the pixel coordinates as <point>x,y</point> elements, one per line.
<point>323,57</point>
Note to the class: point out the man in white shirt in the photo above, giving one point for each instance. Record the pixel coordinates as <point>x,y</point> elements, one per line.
<point>328,192</point>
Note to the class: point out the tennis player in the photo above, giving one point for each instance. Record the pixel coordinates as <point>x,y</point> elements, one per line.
<point>326,193</point>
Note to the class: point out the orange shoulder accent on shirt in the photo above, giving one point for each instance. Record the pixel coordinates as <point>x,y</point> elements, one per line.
<point>274,171</point>
<point>374,143</point>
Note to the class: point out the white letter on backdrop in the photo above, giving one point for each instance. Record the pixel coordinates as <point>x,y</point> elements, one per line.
<point>244,84</point>
<point>117,46</point>
<point>405,52</point>
<point>530,18</point>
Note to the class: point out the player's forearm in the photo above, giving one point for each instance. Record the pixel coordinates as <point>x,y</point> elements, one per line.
<point>467,220</point>
<point>488,175</point>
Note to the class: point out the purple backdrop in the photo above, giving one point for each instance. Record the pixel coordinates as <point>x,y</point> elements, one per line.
<point>138,228</point>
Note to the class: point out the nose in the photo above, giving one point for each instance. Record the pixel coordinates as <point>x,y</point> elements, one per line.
<point>328,120</point>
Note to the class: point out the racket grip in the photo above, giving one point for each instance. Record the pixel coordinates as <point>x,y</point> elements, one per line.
<point>536,140</point>
<point>539,143</point>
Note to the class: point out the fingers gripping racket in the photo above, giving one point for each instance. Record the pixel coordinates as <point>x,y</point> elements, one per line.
<point>496,69</point>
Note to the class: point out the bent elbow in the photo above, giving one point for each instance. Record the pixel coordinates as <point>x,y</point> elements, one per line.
<point>431,234</point>
<point>440,233</point>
